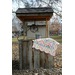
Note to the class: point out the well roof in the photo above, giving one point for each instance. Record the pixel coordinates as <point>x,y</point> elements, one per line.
<point>36,13</point>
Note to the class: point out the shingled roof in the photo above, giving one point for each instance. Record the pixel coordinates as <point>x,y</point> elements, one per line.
<point>28,12</point>
<point>34,10</point>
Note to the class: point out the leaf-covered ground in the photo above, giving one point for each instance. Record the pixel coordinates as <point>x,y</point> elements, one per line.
<point>41,71</point>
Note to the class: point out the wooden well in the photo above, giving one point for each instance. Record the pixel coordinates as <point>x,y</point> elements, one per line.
<point>31,58</point>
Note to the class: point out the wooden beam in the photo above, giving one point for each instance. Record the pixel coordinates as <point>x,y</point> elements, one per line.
<point>32,18</point>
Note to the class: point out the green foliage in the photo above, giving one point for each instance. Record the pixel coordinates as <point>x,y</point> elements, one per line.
<point>57,38</point>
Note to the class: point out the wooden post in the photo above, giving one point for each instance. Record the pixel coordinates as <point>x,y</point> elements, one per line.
<point>25,29</point>
<point>20,54</point>
<point>46,28</point>
<point>30,56</point>
<point>25,54</point>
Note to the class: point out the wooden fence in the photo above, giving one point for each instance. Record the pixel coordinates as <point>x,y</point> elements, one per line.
<point>31,58</point>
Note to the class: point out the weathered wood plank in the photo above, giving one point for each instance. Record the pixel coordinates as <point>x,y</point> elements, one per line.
<point>46,60</point>
<point>36,59</point>
<point>33,57</point>
<point>42,59</point>
<point>50,61</point>
<point>20,54</point>
<point>27,54</point>
<point>30,55</point>
<point>24,55</point>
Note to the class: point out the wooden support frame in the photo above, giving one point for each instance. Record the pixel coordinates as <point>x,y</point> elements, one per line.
<point>25,29</point>
<point>47,28</point>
